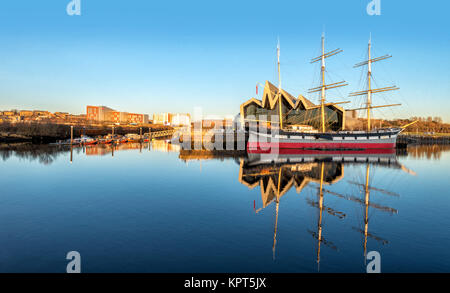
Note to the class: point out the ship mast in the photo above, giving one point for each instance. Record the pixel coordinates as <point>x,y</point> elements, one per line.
<point>280,109</point>
<point>369,90</point>
<point>322,92</point>
<point>323,87</point>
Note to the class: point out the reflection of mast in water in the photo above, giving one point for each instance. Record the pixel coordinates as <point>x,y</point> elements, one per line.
<point>320,205</point>
<point>319,224</point>
<point>277,201</point>
<point>276,180</point>
<point>367,187</point>
<point>366,213</point>
<point>366,202</point>
<point>276,175</point>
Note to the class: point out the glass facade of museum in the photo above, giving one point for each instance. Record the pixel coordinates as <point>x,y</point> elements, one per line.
<point>297,116</point>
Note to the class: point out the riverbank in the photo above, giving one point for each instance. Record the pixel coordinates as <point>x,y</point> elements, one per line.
<point>42,133</point>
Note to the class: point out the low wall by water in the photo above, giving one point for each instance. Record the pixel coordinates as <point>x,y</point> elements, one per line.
<point>405,140</point>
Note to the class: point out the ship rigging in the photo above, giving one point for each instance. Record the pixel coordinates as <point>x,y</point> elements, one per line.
<point>282,135</point>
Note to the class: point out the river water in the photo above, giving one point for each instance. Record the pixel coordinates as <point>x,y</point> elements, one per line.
<point>152,208</point>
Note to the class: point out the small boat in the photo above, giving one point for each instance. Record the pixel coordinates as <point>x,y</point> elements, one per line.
<point>62,142</point>
<point>112,139</point>
<point>85,140</point>
<point>105,141</point>
<point>122,140</point>
<point>132,137</point>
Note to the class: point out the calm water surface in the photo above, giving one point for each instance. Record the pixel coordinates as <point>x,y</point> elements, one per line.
<point>154,209</point>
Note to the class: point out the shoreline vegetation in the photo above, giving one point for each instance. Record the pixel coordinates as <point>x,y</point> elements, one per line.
<point>43,133</point>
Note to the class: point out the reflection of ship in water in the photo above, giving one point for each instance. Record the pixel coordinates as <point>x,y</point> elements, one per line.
<point>200,155</point>
<point>276,174</point>
<point>47,154</point>
<point>275,180</point>
<point>105,149</point>
<point>164,146</point>
<point>101,150</point>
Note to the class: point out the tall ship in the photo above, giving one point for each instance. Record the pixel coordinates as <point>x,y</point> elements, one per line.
<point>281,121</point>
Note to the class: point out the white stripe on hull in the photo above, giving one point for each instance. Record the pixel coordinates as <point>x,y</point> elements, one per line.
<point>339,140</point>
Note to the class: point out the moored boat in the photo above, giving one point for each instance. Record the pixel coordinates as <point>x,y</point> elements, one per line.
<point>379,139</point>
<point>132,137</point>
<point>280,135</point>
<point>85,140</point>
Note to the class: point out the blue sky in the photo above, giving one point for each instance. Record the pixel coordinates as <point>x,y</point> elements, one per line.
<point>153,56</point>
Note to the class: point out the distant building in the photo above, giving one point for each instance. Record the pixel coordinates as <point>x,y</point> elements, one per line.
<point>25,113</point>
<point>162,118</point>
<point>62,115</point>
<point>217,122</point>
<point>99,113</point>
<point>41,113</point>
<point>119,117</point>
<point>137,118</point>
<point>105,114</point>
<point>180,119</point>
<point>124,117</point>
<point>9,113</point>
<point>11,118</point>
<point>351,120</point>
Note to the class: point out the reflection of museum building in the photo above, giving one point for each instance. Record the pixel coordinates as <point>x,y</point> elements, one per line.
<point>276,180</point>
<point>296,111</point>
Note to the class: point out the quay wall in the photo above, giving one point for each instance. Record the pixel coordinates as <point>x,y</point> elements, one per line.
<point>409,139</point>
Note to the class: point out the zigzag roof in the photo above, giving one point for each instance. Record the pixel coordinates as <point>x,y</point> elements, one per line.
<point>267,179</point>
<point>271,96</point>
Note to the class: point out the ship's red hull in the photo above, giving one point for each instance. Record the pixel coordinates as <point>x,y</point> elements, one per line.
<point>345,140</point>
<point>303,151</point>
<point>318,145</point>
